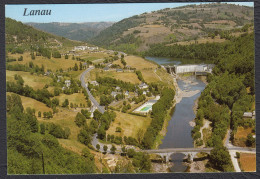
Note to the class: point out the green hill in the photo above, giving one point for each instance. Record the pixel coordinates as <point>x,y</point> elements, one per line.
<point>173,25</point>
<point>73,31</point>
<point>24,36</point>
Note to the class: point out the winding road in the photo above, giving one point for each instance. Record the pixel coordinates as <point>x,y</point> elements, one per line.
<point>92,99</point>
<point>232,149</point>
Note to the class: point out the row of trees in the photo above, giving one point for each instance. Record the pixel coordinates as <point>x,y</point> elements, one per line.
<point>139,75</point>
<point>27,68</point>
<point>39,95</point>
<point>159,112</point>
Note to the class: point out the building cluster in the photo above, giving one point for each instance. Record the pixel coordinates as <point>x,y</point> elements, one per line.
<point>78,48</point>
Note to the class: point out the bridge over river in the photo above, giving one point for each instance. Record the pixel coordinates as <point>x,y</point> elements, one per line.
<point>191,152</point>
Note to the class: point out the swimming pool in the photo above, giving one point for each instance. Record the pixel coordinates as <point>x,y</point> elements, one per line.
<point>146,108</point>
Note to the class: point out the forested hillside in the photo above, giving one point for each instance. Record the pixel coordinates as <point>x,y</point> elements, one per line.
<point>23,37</point>
<point>228,95</point>
<point>34,149</point>
<point>174,25</point>
<point>73,31</point>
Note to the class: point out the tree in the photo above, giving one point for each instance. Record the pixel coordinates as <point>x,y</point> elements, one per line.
<point>101,132</point>
<point>39,114</point>
<point>130,153</point>
<point>66,132</point>
<point>32,56</point>
<point>66,56</point>
<point>42,128</point>
<point>56,91</point>
<point>97,115</point>
<point>56,130</point>
<point>123,150</point>
<point>250,140</point>
<point>20,58</point>
<point>84,136</point>
<point>118,129</point>
<point>86,113</point>
<point>76,67</point>
<point>105,148</point>
<point>65,103</point>
<point>113,149</point>
<point>220,158</point>
<point>56,54</point>
<point>80,66</point>
<point>98,146</point>
<point>80,119</point>
<point>86,153</point>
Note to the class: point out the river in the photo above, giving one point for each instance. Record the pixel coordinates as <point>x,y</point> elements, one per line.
<point>179,129</point>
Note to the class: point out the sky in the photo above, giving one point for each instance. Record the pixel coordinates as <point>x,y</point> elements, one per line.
<point>89,12</point>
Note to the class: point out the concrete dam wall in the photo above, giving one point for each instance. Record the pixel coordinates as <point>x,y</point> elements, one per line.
<point>176,69</point>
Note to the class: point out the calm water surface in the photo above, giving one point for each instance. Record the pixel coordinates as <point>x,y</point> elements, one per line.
<point>179,130</point>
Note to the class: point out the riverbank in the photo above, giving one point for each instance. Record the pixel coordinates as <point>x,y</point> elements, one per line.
<point>177,99</point>
<point>162,133</point>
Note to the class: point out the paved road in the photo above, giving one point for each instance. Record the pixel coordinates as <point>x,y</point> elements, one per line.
<point>83,84</point>
<point>118,147</point>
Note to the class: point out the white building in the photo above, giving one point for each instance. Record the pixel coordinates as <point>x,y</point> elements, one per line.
<point>126,93</point>
<point>80,47</point>
<point>67,83</point>
<point>114,93</point>
<point>92,48</point>
<point>143,86</point>
<point>248,114</point>
<point>95,83</point>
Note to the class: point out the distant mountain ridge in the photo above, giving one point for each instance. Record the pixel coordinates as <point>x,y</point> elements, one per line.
<point>172,25</point>
<point>74,31</point>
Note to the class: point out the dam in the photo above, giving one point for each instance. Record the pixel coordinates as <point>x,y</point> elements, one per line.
<point>197,69</point>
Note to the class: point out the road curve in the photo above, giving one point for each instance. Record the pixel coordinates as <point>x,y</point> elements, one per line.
<point>83,84</point>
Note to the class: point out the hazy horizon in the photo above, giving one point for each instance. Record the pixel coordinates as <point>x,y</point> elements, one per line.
<point>96,12</point>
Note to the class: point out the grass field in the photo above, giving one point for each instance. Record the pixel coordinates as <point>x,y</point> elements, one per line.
<point>124,76</point>
<point>75,74</point>
<point>29,102</point>
<point>72,145</point>
<point>204,40</point>
<point>65,118</point>
<point>241,136</point>
<point>53,63</point>
<point>150,76</point>
<point>34,81</point>
<point>73,98</point>
<point>93,56</point>
<point>247,162</point>
<point>165,77</point>
<point>130,124</point>
<point>149,70</point>
<point>139,63</point>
